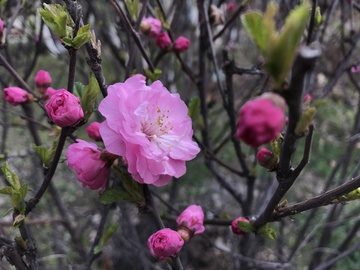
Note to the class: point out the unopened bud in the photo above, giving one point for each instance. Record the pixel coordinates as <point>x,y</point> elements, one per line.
<point>267,159</point>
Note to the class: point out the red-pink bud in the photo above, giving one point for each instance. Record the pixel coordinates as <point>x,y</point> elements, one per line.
<point>230,6</point>
<point>86,160</point>
<point>163,41</point>
<point>15,95</point>
<point>266,158</point>
<point>181,44</point>
<point>308,98</point>
<point>64,109</point>
<point>93,131</point>
<point>150,27</point>
<point>355,69</point>
<point>234,225</point>
<point>165,243</point>
<point>191,222</point>
<point>42,80</point>
<point>261,120</point>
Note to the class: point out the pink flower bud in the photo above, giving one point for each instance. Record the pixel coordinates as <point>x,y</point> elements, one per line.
<point>90,164</point>
<point>64,109</point>
<point>355,69</point>
<point>1,25</point>
<point>234,226</point>
<point>93,131</point>
<point>150,27</point>
<point>230,6</point>
<point>190,222</point>
<point>181,44</point>
<point>15,95</point>
<point>163,41</point>
<point>261,120</point>
<point>42,80</point>
<point>266,158</point>
<point>308,98</point>
<point>165,243</point>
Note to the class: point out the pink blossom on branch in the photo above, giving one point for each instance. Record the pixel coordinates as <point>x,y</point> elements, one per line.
<point>165,243</point>
<point>15,95</point>
<point>64,109</point>
<point>163,41</point>
<point>261,120</point>
<point>234,225</point>
<point>42,81</point>
<point>150,128</point>
<point>93,131</point>
<point>151,27</point>
<point>91,165</point>
<point>181,44</point>
<point>190,222</point>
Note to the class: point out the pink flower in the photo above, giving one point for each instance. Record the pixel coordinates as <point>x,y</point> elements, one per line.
<point>234,226</point>
<point>191,222</point>
<point>93,131</point>
<point>163,41</point>
<point>150,27</point>
<point>64,109</point>
<point>42,80</point>
<point>181,44</point>
<point>230,6</point>
<point>266,158</point>
<point>355,69</point>
<point>260,120</point>
<point>15,95</point>
<point>86,160</point>
<point>165,243</point>
<point>1,25</point>
<point>150,128</point>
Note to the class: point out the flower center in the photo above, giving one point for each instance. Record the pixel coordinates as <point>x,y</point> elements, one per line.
<point>157,123</point>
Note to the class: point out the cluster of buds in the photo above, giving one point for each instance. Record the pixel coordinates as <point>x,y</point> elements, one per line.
<point>152,28</point>
<point>167,243</point>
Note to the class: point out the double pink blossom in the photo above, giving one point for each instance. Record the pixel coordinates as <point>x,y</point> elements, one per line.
<point>151,27</point>
<point>42,81</point>
<point>163,41</point>
<point>64,109</point>
<point>91,165</point>
<point>150,128</point>
<point>261,120</point>
<point>93,131</point>
<point>181,44</point>
<point>15,95</point>
<point>234,225</point>
<point>190,222</point>
<point>165,243</point>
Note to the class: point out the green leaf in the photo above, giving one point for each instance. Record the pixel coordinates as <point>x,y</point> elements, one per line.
<point>78,89</point>
<point>41,151</point>
<point>281,56</point>
<point>10,176</point>
<point>82,36</point>
<point>253,24</point>
<point>6,190</point>
<point>194,107</point>
<point>115,195</point>
<point>246,226</point>
<point>133,187</point>
<point>267,231</point>
<point>23,190</point>
<point>88,96</point>
<point>55,17</point>
<point>68,42</point>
